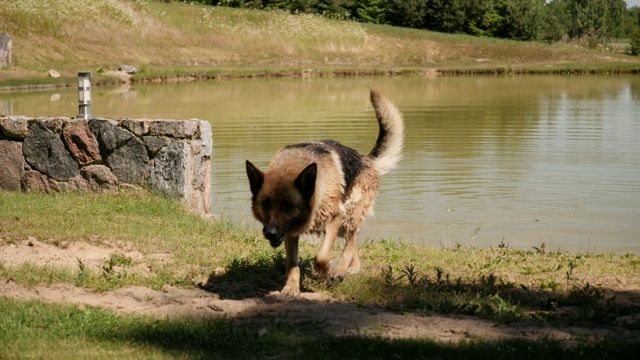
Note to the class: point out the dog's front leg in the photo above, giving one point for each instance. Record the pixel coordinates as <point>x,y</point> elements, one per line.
<point>292,286</point>
<point>322,262</point>
<point>350,260</point>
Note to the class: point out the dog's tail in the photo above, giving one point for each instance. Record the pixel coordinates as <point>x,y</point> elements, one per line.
<point>388,149</point>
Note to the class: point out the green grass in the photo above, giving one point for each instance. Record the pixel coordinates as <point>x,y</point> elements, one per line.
<point>36,330</point>
<point>503,285</point>
<point>153,224</point>
<point>500,284</point>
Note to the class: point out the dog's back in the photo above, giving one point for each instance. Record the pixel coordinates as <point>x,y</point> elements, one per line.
<point>347,181</point>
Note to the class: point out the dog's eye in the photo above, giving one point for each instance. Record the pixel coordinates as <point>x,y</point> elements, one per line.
<point>286,206</point>
<point>266,203</point>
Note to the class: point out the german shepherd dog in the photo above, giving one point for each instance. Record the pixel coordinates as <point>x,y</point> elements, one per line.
<point>324,187</point>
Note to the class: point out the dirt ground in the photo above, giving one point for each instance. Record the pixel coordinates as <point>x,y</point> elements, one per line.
<point>312,309</point>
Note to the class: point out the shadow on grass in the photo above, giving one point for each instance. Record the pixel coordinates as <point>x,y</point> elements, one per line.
<point>489,297</point>
<point>232,339</point>
<point>287,333</point>
<point>253,277</point>
<point>504,303</point>
<point>257,337</point>
<point>586,315</point>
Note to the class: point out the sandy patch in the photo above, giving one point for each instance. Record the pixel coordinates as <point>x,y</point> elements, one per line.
<point>71,256</point>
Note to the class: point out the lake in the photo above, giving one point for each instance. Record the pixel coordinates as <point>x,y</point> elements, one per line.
<point>521,160</point>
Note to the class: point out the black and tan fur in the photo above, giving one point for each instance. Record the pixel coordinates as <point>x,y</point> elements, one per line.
<point>326,188</point>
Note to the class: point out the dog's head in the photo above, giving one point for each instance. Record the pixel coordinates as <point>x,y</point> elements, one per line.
<point>282,205</point>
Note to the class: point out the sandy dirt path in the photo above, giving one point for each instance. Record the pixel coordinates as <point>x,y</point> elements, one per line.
<point>315,310</point>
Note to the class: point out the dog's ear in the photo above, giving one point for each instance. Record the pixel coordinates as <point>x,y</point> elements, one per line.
<point>256,178</point>
<point>306,181</point>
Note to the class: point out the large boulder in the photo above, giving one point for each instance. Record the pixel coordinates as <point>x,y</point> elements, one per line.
<point>81,142</point>
<point>123,76</point>
<point>100,178</point>
<point>16,127</point>
<point>33,181</point>
<point>137,127</point>
<point>202,184</point>
<point>77,183</point>
<point>126,155</point>
<point>153,144</point>
<point>12,163</point>
<point>179,129</point>
<point>170,170</point>
<point>129,69</point>
<point>109,135</point>
<point>206,136</point>
<point>202,150</point>
<point>45,152</point>
<point>130,162</point>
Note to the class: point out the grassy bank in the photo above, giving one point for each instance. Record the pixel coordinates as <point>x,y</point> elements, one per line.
<point>174,40</point>
<point>535,287</point>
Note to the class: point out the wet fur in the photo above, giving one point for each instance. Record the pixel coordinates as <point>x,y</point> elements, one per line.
<point>324,187</point>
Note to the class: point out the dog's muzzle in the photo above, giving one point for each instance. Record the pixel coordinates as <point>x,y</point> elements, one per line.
<point>271,233</point>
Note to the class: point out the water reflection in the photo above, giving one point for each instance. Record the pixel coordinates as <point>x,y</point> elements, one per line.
<point>6,107</point>
<point>523,160</point>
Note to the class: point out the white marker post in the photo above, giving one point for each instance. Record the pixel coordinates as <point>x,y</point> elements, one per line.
<point>84,96</point>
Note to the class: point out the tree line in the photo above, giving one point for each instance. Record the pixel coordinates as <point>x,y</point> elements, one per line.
<point>593,22</point>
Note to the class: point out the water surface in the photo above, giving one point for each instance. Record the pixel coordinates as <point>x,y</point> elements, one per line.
<point>519,160</point>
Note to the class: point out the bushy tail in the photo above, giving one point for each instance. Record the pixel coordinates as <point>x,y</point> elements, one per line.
<point>388,149</point>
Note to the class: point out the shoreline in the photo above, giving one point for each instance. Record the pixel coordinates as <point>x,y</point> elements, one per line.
<point>170,76</point>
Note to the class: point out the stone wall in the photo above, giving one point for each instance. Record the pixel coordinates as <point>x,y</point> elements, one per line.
<point>5,49</point>
<point>102,155</point>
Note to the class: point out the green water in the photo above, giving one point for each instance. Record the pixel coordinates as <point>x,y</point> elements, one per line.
<point>523,160</point>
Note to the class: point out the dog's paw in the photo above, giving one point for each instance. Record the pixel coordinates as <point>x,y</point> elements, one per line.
<point>353,269</point>
<point>341,274</point>
<point>291,291</point>
<point>321,270</point>
<point>338,274</point>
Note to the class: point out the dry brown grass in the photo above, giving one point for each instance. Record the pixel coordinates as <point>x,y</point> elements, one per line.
<point>76,35</point>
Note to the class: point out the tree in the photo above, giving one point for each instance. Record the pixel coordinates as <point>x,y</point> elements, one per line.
<point>635,41</point>
<point>476,17</point>
<point>341,9</point>
<point>407,13</point>
<point>371,11</point>
<point>589,18</point>
<point>555,21</point>
<point>630,22</point>
<point>483,18</point>
<point>524,19</point>
<point>445,15</point>
<point>302,6</point>
<point>616,18</point>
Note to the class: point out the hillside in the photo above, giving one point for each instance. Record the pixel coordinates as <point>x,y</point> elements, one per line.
<point>177,38</point>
